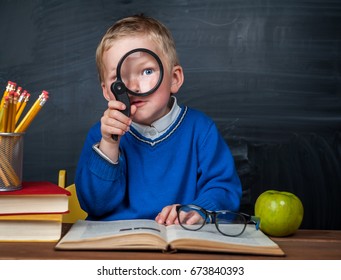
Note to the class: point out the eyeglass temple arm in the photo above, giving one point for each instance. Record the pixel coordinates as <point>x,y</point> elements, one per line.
<point>255,220</point>
<point>252,219</point>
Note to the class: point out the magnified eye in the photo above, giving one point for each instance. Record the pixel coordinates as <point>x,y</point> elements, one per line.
<point>141,72</point>
<point>148,71</point>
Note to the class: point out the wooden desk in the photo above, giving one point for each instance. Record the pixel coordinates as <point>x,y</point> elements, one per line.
<point>304,245</point>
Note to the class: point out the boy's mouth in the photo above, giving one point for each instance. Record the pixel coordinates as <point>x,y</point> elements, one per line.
<point>137,103</point>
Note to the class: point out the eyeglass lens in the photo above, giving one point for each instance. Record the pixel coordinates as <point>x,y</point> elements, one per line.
<point>191,218</point>
<point>228,223</point>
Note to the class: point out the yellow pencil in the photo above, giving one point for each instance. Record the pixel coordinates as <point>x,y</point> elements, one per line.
<point>4,119</point>
<point>31,114</point>
<point>22,107</point>
<point>10,111</point>
<point>18,91</point>
<point>14,111</point>
<point>10,87</point>
<point>21,99</point>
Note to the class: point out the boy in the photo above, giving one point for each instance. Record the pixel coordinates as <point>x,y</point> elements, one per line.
<point>164,155</point>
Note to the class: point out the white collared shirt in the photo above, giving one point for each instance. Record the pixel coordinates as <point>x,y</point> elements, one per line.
<point>160,126</point>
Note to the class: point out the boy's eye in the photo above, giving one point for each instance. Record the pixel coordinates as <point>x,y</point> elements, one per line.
<point>148,71</point>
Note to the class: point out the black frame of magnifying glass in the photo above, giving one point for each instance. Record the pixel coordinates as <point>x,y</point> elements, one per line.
<point>118,72</point>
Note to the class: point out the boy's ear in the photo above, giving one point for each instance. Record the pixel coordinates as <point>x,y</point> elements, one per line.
<point>177,78</point>
<point>105,92</point>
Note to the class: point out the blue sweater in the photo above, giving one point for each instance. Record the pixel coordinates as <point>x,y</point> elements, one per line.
<point>189,164</point>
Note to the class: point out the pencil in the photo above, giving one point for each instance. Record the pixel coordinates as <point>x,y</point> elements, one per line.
<point>22,107</point>
<point>10,87</point>
<point>13,111</point>
<point>31,114</point>
<point>10,111</point>
<point>21,99</point>
<point>4,119</point>
<point>18,91</point>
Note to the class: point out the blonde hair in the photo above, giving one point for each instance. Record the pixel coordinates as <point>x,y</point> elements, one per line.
<point>137,25</point>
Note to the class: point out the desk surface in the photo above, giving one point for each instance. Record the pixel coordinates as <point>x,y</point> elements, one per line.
<point>304,245</point>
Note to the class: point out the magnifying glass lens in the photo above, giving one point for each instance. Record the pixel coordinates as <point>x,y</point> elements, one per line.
<point>140,72</point>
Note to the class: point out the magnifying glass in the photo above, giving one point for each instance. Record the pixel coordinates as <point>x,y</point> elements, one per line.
<point>139,72</point>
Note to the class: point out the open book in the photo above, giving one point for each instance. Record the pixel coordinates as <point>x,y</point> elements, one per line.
<point>149,235</point>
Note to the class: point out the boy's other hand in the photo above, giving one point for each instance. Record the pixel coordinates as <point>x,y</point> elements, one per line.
<point>168,215</point>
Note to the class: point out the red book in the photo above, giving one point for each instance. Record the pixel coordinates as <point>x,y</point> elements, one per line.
<point>33,198</point>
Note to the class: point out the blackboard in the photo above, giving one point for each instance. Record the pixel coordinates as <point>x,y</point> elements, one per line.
<point>268,73</point>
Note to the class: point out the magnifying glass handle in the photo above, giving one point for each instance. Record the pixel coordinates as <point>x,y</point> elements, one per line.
<point>119,90</point>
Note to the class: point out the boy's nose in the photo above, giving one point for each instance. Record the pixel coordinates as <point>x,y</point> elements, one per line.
<point>133,85</point>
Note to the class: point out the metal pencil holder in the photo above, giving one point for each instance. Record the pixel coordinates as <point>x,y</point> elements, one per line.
<point>11,161</point>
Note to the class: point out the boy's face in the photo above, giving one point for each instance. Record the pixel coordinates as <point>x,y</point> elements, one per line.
<point>149,108</point>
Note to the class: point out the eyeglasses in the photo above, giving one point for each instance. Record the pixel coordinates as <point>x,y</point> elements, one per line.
<point>192,217</point>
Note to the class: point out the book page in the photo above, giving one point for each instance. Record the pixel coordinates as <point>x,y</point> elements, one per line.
<point>250,237</point>
<point>88,230</point>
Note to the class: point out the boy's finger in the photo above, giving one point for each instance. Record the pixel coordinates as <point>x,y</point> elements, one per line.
<point>172,217</point>
<point>162,216</point>
<point>118,105</point>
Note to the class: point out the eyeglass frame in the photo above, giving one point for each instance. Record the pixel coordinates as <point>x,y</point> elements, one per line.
<point>212,217</point>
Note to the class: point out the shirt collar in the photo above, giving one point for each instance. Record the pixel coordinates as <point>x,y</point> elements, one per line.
<point>160,126</point>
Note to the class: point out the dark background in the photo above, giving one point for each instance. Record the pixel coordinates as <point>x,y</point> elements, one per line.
<point>267,72</point>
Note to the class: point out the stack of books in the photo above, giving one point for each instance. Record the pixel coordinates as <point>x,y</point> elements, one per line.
<point>33,213</point>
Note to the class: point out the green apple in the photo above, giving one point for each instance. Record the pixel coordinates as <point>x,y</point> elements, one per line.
<point>280,213</point>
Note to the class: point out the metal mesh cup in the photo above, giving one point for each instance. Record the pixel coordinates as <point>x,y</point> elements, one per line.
<point>11,161</point>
